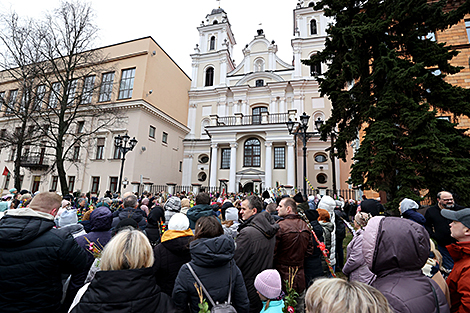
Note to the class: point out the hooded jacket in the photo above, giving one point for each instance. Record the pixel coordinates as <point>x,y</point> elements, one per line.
<point>170,255</point>
<point>198,211</point>
<point>136,214</point>
<point>395,249</point>
<point>255,251</point>
<point>327,203</point>
<point>355,267</point>
<point>154,227</point>
<point>459,278</point>
<point>211,260</point>
<point>408,209</point>
<point>33,256</point>
<point>124,291</point>
<point>313,263</point>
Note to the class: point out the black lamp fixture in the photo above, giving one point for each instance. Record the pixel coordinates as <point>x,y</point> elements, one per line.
<point>121,143</point>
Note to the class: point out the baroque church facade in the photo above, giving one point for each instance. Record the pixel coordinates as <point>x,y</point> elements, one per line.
<point>238,139</point>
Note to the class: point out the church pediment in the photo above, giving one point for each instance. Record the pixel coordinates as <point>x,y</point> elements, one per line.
<point>250,171</point>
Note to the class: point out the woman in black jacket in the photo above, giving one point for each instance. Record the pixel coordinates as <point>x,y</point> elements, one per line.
<point>126,282</point>
<point>212,261</point>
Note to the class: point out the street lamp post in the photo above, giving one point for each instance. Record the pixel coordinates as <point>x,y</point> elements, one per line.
<point>121,144</point>
<point>300,129</point>
<point>318,125</point>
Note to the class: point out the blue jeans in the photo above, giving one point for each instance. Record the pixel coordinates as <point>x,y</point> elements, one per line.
<point>447,261</point>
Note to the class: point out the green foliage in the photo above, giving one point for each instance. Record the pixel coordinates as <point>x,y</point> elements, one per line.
<point>383,78</point>
<point>203,307</point>
<point>290,301</point>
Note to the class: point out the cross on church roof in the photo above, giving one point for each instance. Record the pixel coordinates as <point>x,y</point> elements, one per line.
<point>219,3</point>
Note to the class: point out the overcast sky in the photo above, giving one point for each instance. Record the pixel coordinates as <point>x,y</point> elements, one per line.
<point>173,24</point>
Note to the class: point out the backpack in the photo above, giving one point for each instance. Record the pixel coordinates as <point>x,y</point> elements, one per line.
<point>216,307</point>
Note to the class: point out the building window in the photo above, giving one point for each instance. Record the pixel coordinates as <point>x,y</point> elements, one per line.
<point>40,94</point>
<point>95,184</point>
<point>259,65</point>
<point>72,90</point>
<point>54,97</point>
<point>311,5</point>
<point>7,182</point>
<point>3,133</point>
<point>99,148</point>
<point>76,153</point>
<point>2,98</point>
<point>252,153</point>
<point>117,153</point>
<point>203,158</point>
<point>321,178</point>
<point>88,86</point>
<point>257,114</point>
<point>127,83</point>
<point>11,157</point>
<point>36,183</point>
<point>202,177</point>
<point>71,184</point>
<point>165,137</point>
<point>12,101</point>
<point>209,77</point>
<point>80,126</point>
<point>320,158</point>
<point>152,131</point>
<point>313,27</point>
<point>106,88</point>
<point>113,182</point>
<point>315,69</point>
<point>212,43</point>
<point>181,166</point>
<point>225,159</point>
<point>279,157</point>
<point>259,83</point>
<point>467,26</point>
<point>54,183</point>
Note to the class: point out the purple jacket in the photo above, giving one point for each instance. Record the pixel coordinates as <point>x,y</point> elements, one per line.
<point>395,249</point>
<point>355,268</point>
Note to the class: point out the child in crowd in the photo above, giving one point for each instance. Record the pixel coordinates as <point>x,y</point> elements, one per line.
<point>268,285</point>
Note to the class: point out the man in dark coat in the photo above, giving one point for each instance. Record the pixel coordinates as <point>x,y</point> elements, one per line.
<point>438,226</point>
<point>130,210</point>
<point>33,256</point>
<point>293,244</point>
<point>313,265</point>
<point>255,245</point>
<point>202,208</point>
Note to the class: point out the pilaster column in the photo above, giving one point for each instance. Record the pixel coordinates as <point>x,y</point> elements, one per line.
<point>268,170</point>
<point>192,119</point>
<point>290,163</point>
<point>233,167</point>
<point>187,170</point>
<point>213,178</point>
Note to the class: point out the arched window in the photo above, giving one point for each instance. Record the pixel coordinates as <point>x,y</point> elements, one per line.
<point>315,69</point>
<point>259,65</point>
<point>215,22</point>
<point>252,153</point>
<point>311,4</point>
<point>313,27</point>
<point>257,114</point>
<point>209,77</point>
<point>212,43</point>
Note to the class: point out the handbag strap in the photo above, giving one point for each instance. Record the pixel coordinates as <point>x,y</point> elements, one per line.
<point>435,298</point>
<point>204,288</point>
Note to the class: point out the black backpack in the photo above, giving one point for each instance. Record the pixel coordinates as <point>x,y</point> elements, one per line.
<point>216,307</point>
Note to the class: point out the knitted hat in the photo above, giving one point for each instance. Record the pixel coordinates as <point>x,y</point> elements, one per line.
<point>231,214</point>
<point>179,221</point>
<point>268,283</point>
<point>68,217</point>
<point>185,203</point>
<point>327,203</point>
<point>65,203</point>
<point>362,218</point>
<point>173,204</point>
<point>298,198</point>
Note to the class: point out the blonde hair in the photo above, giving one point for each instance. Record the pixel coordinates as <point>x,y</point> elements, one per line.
<point>129,249</point>
<point>331,295</point>
<point>437,254</point>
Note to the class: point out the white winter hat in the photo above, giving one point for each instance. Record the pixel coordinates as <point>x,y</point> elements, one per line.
<point>231,214</point>
<point>327,203</point>
<point>178,221</point>
<point>68,217</point>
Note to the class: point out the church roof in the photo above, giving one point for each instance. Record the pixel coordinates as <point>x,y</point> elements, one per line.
<point>216,11</point>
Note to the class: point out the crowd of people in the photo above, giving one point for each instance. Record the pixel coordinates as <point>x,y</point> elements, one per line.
<point>240,253</point>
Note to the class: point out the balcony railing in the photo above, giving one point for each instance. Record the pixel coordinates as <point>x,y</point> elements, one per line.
<point>240,119</point>
<point>35,161</point>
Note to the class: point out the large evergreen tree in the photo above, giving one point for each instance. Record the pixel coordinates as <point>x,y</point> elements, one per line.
<point>386,77</point>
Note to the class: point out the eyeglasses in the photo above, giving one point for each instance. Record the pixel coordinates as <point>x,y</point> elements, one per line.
<point>447,200</point>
